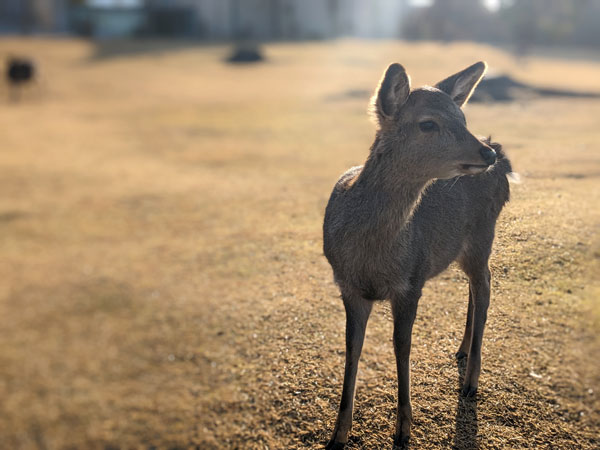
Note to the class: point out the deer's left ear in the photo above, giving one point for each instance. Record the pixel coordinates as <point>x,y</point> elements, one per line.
<point>461,85</point>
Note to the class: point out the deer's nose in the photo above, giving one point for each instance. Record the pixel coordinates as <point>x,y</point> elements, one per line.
<point>488,155</point>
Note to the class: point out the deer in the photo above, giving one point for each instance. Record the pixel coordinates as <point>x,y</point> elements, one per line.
<point>428,194</point>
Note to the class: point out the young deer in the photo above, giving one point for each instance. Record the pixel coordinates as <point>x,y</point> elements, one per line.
<point>405,215</point>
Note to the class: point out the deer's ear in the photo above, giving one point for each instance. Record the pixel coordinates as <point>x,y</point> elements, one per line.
<point>392,92</point>
<point>461,85</point>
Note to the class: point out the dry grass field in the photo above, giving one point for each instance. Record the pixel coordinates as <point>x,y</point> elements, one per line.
<point>163,283</point>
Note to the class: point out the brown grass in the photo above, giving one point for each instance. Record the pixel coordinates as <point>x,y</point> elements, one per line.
<point>164,284</point>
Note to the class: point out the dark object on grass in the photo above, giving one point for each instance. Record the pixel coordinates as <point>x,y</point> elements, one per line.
<point>19,71</point>
<point>503,88</point>
<point>246,53</point>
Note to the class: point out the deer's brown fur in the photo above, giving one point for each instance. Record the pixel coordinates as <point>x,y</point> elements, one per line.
<point>429,194</point>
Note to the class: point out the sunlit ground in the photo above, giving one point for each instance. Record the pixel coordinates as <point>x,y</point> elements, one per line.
<point>163,278</point>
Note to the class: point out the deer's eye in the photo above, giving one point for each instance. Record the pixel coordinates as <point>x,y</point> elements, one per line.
<point>428,126</point>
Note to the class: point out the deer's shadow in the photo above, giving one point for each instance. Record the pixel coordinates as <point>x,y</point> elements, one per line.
<point>466,428</point>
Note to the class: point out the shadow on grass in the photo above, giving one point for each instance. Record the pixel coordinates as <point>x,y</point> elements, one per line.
<point>120,48</point>
<point>465,432</point>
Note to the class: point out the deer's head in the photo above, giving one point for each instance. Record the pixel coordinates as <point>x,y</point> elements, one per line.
<point>424,131</point>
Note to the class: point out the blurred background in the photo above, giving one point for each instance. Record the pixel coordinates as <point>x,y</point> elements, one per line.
<point>522,23</point>
<point>164,169</point>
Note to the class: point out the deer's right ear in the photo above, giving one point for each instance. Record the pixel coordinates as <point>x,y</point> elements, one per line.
<point>392,93</point>
<point>461,85</point>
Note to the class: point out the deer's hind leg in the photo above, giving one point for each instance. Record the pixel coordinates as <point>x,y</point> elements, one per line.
<point>357,315</point>
<point>465,345</point>
<point>475,264</point>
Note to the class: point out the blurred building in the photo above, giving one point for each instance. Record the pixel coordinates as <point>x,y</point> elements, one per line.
<point>30,16</point>
<point>296,19</point>
<point>107,18</point>
<point>207,19</point>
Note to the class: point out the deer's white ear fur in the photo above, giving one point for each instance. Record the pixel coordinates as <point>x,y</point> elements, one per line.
<point>461,85</point>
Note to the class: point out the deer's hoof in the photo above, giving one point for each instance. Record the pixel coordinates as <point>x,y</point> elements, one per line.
<point>460,354</point>
<point>332,445</point>
<point>401,443</point>
<point>469,391</point>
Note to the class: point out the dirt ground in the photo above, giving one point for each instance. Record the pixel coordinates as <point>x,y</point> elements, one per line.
<point>163,282</point>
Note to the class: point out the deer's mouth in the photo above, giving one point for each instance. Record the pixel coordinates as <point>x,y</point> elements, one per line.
<point>473,169</point>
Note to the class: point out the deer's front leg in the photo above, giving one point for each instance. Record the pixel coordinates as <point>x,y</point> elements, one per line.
<point>357,315</point>
<point>404,310</point>
<point>480,293</point>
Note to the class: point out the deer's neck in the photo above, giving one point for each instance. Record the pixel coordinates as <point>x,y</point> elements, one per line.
<point>394,194</point>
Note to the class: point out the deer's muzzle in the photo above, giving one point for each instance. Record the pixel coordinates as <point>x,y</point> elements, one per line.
<point>488,155</point>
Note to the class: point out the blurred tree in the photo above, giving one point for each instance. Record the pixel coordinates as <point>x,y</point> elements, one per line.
<point>587,25</point>
<point>524,23</point>
<point>451,20</point>
<point>235,18</point>
<point>333,7</point>
<point>552,22</point>
<point>27,16</point>
<point>275,18</point>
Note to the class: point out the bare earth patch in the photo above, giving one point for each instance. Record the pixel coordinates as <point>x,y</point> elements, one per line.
<point>163,279</point>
